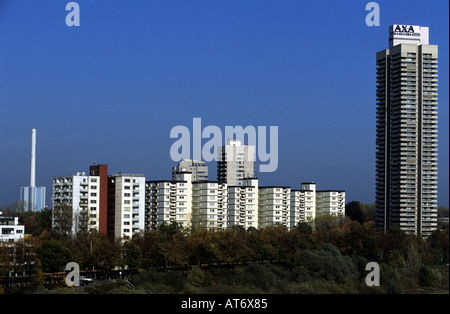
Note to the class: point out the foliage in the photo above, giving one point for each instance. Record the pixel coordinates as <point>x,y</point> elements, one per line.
<point>53,256</point>
<point>360,212</point>
<point>328,259</point>
<point>196,277</point>
<point>325,262</point>
<point>429,276</point>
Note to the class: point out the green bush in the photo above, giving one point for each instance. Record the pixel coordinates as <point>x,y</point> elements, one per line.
<point>326,262</point>
<point>258,276</point>
<point>196,277</point>
<point>429,276</point>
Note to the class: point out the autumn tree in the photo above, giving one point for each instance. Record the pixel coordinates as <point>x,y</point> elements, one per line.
<point>53,256</point>
<point>355,211</point>
<point>63,219</point>
<point>201,247</point>
<point>132,255</point>
<point>152,249</point>
<point>6,258</point>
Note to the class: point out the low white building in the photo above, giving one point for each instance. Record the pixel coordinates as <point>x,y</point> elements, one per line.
<point>10,230</point>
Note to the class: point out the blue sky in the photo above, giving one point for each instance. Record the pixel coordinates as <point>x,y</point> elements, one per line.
<point>111,89</point>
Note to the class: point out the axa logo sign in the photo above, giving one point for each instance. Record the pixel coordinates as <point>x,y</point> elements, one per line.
<point>404,29</point>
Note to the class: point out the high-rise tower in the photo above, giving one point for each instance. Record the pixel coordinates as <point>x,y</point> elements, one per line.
<point>406,132</point>
<point>32,197</point>
<point>235,163</point>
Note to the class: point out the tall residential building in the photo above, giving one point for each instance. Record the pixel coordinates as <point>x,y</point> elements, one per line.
<point>330,202</point>
<point>303,204</point>
<point>210,205</point>
<point>126,205</point>
<point>32,197</point>
<point>274,206</point>
<point>406,132</point>
<point>235,162</point>
<point>101,171</point>
<point>81,194</point>
<point>243,204</point>
<point>198,169</point>
<point>169,201</point>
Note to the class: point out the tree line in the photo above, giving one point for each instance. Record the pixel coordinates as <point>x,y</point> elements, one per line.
<point>172,247</point>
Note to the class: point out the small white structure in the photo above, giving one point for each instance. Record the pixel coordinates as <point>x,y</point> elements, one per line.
<point>10,230</point>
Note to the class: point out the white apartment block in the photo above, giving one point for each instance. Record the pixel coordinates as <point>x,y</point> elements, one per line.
<point>235,163</point>
<point>217,205</point>
<point>330,202</point>
<point>243,204</point>
<point>303,204</point>
<point>309,203</point>
<point>10,230</point>
<point>129,204</point>
<point>169,201</point>
<point>210,205</point>
<point>81,193</point>
<point>274,206</point>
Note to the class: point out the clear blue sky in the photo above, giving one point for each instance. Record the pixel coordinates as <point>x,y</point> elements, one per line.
<point>112,89</point>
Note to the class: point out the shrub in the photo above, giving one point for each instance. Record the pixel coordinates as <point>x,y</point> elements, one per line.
<point>196,277</point>
<point>327,263</point>
<point>429,276</point>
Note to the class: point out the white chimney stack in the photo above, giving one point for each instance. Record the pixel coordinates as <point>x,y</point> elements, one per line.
<point>33,158</point>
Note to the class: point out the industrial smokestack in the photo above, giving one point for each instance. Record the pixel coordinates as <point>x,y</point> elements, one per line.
<point>33,158</point>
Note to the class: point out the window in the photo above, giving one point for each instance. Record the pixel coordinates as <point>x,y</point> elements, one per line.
<point>7,230</point>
